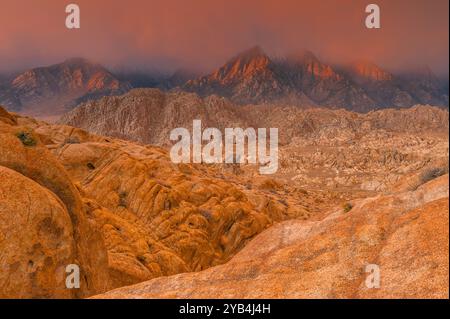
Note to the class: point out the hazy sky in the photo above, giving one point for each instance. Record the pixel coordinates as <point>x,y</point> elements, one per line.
<point>203,34</point>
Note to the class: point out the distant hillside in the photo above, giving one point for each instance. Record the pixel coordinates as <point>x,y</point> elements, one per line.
<point>54,89</point>
<point>302,79</point>
<point>148,116</point>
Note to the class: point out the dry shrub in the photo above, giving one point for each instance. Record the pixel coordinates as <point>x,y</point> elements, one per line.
<point>432,173</point>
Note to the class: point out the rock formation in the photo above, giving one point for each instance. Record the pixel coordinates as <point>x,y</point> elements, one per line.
<point>121,211</point>
<point>45,225</point>
<point>405,234</point>
<point>50,91</point>
<point>252,77</point>
<point>148,116</point>
<point>126,214</point>
<point>335,149</point>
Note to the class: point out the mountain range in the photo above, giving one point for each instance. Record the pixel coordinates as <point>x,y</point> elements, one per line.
<point>56,88</point>
<point>251,77</point>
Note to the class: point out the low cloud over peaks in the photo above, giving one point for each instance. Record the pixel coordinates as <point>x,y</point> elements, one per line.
<point>203,34</point>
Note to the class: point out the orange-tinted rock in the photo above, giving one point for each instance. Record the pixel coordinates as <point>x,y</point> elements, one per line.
<point>48,91</point>
<point>7,118</point>
<point>135,216</point>
<point>405,234</point>
<point>22,151</point>
<point>186,221</point>
<point>36,240</point>
<point>155,218</point>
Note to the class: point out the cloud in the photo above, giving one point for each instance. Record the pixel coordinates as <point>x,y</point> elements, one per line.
<point>202,34</point>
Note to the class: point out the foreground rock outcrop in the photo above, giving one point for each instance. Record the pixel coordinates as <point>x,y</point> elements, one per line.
<point>125,214</point>
<point>405,234</point>
<point>41,208</point>
<point>121,211</point>
<point>36,239</point>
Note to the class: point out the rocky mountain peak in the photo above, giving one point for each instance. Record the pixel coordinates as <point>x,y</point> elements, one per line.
<point>370,71</point>
<point>59,86</point>
<point>243,65</point>
<point>303,79</point>
<point>306,62</point>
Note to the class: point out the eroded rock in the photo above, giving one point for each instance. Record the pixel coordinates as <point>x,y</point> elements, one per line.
<point>406,235</point>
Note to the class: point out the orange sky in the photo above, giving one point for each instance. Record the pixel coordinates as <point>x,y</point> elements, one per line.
<point>203,33</point>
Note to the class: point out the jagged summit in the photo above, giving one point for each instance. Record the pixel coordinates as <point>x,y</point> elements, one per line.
<point>370,71</point>
<point>243,65</point>
<point>254,77</point>
<point>51,89</point>
<point>250,77</point>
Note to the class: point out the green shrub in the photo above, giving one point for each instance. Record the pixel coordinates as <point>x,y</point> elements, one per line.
<point>26,138</point>
<point>123,199</point>
<point>347,207</point>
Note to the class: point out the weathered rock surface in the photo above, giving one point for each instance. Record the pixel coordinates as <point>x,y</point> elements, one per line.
<point>23,152</point>
<point>135,215</point>
<point>319,148</point>
<point>49,91</point>
<point>125,213</point>
<point>405,234</point>
<point>36,239</point>
<point>159,218</point>
<point>148,116</point>
<point>302,79</point>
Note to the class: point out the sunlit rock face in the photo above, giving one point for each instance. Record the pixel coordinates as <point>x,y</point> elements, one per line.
<point>405,235</point>
<point>52,90</point>
<point>302,79</point>
<point>121,211</point>
<point>366,189</point>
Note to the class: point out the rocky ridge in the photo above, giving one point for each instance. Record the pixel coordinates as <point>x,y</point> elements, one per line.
<point>126,214</point>
<point>252,77</point>
<point>404,234</point>
<point>120,210</point>
<point>319,148</point>
<point>54,89</point>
